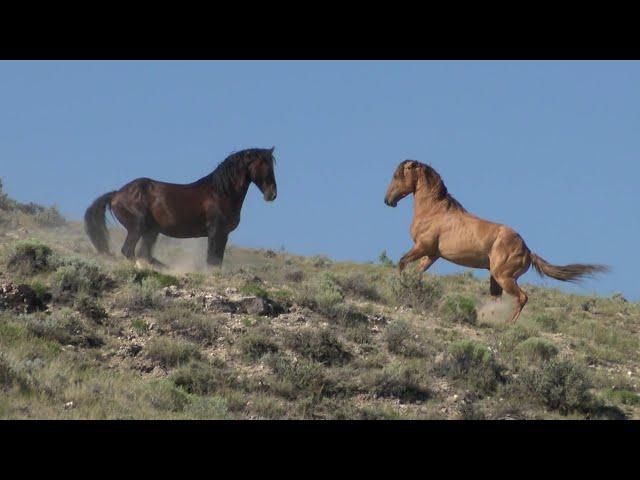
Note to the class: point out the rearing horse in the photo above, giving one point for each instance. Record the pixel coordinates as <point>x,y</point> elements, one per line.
<point>441,227</point>
<point>209,207</point>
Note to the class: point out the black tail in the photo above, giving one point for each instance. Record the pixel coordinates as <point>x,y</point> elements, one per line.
<point>95,222</point>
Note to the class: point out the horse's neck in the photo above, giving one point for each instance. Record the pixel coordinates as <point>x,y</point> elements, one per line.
<point>241,187</point>
<point>426,203</point>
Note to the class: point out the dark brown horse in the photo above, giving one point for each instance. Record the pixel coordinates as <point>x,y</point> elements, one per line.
<point>209,207</point>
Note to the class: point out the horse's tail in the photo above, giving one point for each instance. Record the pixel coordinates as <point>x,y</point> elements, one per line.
<point>567,273</point>
<point>95,222</point>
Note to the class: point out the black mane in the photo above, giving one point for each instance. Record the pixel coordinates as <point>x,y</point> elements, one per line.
<point>227,171</point>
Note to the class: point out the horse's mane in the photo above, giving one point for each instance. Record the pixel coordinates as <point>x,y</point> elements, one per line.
<point>223,177</point>
<point>439,189</point>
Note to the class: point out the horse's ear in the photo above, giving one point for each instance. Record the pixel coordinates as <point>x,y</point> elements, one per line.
<point>272,149</point>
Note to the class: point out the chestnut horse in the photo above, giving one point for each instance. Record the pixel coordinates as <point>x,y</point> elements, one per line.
<point>209,207</point>
<point>441,227</point>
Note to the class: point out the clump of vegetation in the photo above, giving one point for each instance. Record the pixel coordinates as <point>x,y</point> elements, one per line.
<point>161,279</point>
<point>412,290</point>
<point>515,335</point>
<point>89,307</point>
<point>321,292</point>
<point>626,397</point>
<point>459,309</point>
<point>536,349</point>
<point>547,322</point>
<point>295,378</point>
<point>138,296</point>
<point>10,374</point>
<point>183,320</point>
<point>401,381</point>
<point>472,363</point>
<point>49,217</point>
<point>560,385</point>
<point>43,216</point>
<point>320,345</point>
<point>359,285</point>
<point>385,260</point>
<point>163,395</point>
<point>254,289</point>
<point>28,257</point>
<point>75,275</point>
<point>258,343</point>
<point>170,352</point>
<point>294,275</point>
<point>204,378</point>
<point>208,408</point>
<point>401,339</point>
<point>63,326</point>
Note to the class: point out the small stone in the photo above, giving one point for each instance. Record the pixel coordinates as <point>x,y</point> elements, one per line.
<point>68,405</point>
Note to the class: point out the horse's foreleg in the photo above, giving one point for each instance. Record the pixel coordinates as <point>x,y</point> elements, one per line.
<point>425,263</point>
<point>412,255</point>
<point>216,245</point>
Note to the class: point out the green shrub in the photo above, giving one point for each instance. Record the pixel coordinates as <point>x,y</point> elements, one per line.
<point>63,326</point>
<point>257,344</point>
<point>165,396</point>
<point>138,296</point>
<point>473,363</point>
<point>28,257</point>
<point>11,374</point>
<point>183,320</point>
<point>515,335</point>
<point>320,345</point>
<point>208,408</point>
<point>536,349</point>
<point>89,307</point>
<point>294,275</point>
<point>560,385</point>
<point>459,309</point>
<point>411,290</point>
<point>169,352</point>
<point>293,379</point>
<point>75,275</point>
<point>322,293</point>
<point>204,378</point>
<point>49,217</point>
<point>401,339</point>
<point>626,397</point>
<point>548,323</point>
<point>359,285</point>
<point>255,290</point>
<point>385,260</point>
<point>400,381</point>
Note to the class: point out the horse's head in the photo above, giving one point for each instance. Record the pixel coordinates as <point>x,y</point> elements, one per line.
<point>262,174</point>
<point>403,182</point>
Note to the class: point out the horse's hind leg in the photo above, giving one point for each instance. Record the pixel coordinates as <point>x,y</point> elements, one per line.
<point>495,289</point>
<point>510,286</point>
<point>129,247</point>
<point>146,249</point>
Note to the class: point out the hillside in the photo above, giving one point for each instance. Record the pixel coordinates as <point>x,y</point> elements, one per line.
<point>277,336</point>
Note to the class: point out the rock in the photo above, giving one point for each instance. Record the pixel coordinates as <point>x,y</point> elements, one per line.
<point>132,350</point>
<point>260,306</point>
<point>68,405</point>
<point>22,298</point>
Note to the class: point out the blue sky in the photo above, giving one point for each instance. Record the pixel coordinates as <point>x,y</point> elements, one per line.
<point>549,148</point>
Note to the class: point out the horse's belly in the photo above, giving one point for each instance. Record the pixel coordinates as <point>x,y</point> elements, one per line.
<point>184,232</point>
<point>467,258</point>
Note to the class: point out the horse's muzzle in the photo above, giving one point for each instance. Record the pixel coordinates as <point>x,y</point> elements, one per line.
<point>271,194</point>
<point>390,203</point>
